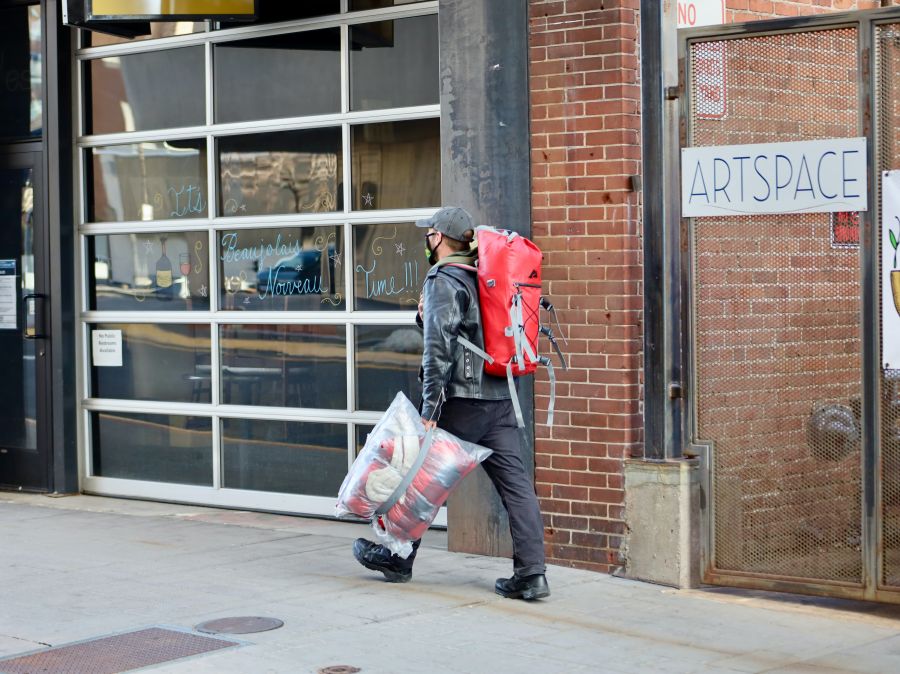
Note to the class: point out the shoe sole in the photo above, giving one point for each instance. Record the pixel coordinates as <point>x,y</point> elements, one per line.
<point>389,576</point>
<point>527,595</point>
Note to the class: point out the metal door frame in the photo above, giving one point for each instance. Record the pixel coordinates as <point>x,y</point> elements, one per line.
<point>872,553</point>
<point>23,156</point>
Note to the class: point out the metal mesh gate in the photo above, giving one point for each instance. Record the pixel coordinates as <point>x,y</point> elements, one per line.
<point>887,64</point>
<point>776,326</point>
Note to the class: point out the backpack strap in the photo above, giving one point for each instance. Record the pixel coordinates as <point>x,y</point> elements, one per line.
<point>481,353</point>
<point>552,375</point>
<point>467,267</point>
<point>516,330</point>
<point>514,395</point>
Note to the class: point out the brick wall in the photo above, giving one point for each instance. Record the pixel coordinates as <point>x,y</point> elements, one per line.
<point>585,124</point>
<point>585,144</point>
<point>754,10</point>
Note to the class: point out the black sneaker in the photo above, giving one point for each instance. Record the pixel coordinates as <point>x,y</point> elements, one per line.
<point>519,587</point>
<point>379,558</point>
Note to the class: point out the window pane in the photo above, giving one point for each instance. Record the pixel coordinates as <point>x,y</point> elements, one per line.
<point>159,362</point>
<point>275,11</point>
<point>283,172</point>
<point>359,5</point>
<point>285,365</point>
<point>288,269</point>
<point>389,266</point>
<point>278,76</point>
<point>149,272</point>
<point>394,63</point>
<point>396,164</point>
<point>362,434</point>
<point>21,103</point>
<point>147,181</point>
<point>138,92</point>
<point>158,29</point>
<point>387,361</point>
<point>154,447</point>
<point>284,456</point>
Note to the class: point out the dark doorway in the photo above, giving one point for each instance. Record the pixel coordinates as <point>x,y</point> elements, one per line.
<point>24,389</point>
<point>24,423</point>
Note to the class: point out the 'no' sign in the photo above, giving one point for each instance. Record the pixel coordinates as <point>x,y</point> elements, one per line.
<point>693,13</point>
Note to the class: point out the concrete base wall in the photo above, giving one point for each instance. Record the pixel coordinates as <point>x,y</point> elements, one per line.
<point>662,518</point>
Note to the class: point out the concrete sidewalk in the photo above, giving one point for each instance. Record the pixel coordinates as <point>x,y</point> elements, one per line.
<point>81,567</point>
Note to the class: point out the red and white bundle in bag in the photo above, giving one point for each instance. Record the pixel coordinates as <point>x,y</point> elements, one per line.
<point>404,474</point>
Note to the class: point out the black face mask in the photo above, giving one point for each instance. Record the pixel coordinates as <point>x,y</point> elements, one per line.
<point>431,254</point>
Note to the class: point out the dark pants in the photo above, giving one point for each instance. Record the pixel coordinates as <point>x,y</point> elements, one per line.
<point>492,424</point>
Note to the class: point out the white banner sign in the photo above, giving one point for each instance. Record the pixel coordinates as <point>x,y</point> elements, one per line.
<point>693,13</point>
<point>890,271</point>
<point>814,176</point>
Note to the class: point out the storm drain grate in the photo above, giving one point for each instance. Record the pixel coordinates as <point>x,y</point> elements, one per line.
<point>114,654</point>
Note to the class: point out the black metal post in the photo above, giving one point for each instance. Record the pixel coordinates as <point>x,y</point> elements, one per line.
<point>58,134</point>
<point>652,149</point>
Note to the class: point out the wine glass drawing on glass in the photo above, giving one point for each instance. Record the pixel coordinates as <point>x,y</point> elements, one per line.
<point>184,266</point>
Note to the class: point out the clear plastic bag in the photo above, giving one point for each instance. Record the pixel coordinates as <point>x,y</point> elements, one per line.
<point>404,474</point>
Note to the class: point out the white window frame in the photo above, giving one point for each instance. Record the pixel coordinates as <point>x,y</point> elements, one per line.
<point>216,495</point>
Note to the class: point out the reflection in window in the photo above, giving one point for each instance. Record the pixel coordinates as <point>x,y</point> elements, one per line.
<point>284,456</point>
<point>285,269</point>
<point>387,361</point>
<point>149,272</point>
<point>360,5</point>
<point>394,63</point>
<point>362,434</point>
<point>21,104</point>
<point>282,172</point>
<point>396,164</point>
<point>18,361</point>
<point>147,181</point>
<point>389,266</point>
<point>154,447</point>
<point>158,29</point>
<point>278,76</point>
<point>284,365</point>
<point>136,92</point>
<point>159,362</point>
<point>275,11</point>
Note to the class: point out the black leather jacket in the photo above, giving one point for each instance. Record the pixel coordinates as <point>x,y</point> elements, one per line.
<point>449,370</point>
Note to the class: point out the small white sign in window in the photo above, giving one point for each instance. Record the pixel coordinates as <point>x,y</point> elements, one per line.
<point>107,348</point>
<point>9,295</point>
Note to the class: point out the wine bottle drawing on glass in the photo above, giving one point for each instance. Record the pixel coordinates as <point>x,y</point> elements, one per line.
<point>163,274</point>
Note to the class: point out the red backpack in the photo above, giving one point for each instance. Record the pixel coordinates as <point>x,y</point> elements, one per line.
<point>509,294</point>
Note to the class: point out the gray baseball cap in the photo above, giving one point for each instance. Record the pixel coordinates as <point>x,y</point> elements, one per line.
<point>453,221</point>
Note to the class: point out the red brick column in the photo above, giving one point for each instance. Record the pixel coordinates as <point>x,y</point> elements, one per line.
<point>585,126</point>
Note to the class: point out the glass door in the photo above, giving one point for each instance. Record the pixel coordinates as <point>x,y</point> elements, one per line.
<point>23,339</point>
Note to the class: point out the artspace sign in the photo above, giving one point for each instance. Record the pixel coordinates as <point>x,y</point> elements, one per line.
<point>816,176</point>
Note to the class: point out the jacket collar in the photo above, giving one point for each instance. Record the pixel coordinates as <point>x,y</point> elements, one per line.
<point>466,257</point>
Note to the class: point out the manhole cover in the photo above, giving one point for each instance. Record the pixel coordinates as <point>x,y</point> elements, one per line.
<point>339,669</point>
<point>241,625</point>
<point>117,653</point>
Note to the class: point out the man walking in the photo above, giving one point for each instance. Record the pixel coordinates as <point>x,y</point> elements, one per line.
<point>459,397</point>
